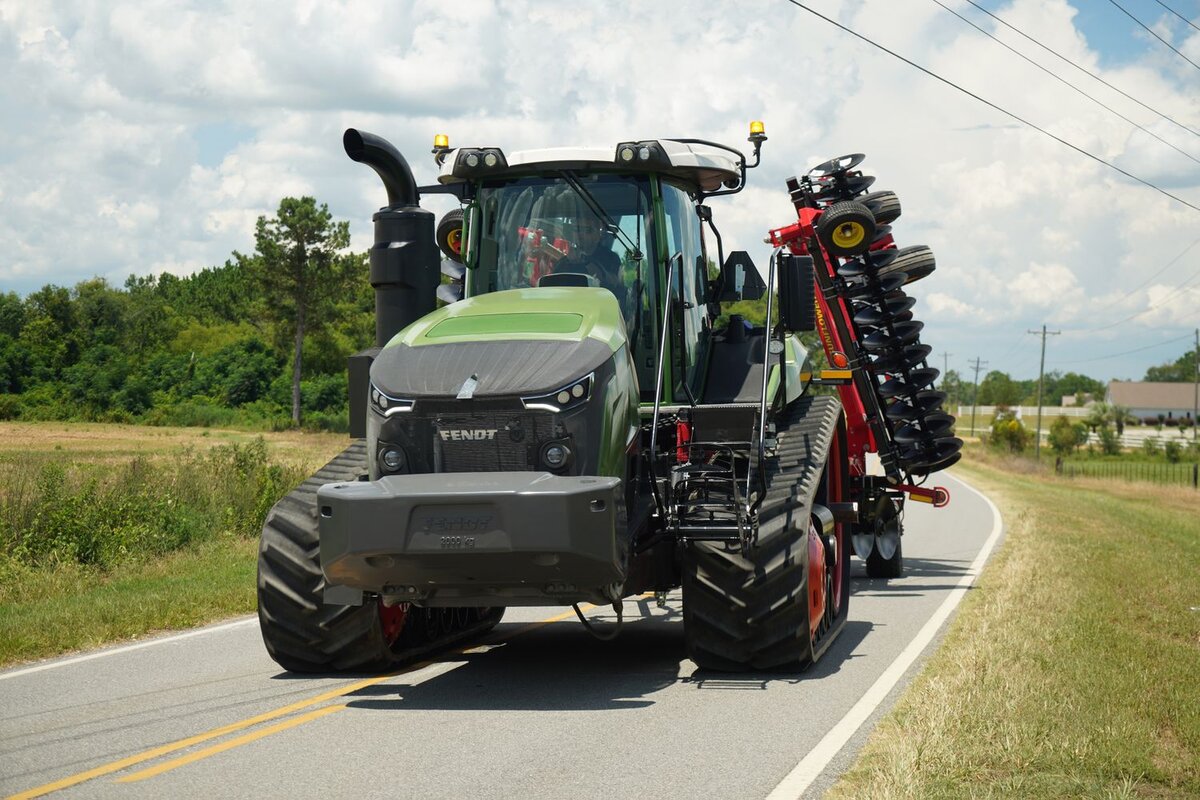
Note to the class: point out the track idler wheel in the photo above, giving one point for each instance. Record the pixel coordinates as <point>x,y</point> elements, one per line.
<point>846,229</point>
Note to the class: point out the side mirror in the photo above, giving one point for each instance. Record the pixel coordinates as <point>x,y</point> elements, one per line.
<point>740,279</point>
<point>797,309</point>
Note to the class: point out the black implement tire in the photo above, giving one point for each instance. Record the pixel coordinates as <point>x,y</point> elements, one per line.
<point>751,612</point>
<point>916,262</point>
<point>449,235</point>
<point>846,229</point>
<point>884,205</point>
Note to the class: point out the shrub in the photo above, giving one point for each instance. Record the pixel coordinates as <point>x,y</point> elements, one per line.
<point>1066,435</point>
<point>1009,434</point>
<point>10,407</point>
<point>1171,422</point>
<point>1173,451</point>
<point>1110,443</point>
<point>1150,446</point>
<point>1150,421</point>
<point>56,513</point>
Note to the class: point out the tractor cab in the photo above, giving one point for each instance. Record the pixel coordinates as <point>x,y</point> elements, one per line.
<point>625,219</point>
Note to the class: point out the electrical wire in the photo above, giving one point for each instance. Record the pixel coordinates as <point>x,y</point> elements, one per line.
<point>1176,13</point>
<point>1145,310</point>
<point>1126,352</point>
<point>1067,83</point>
<point>992,105</point>
<point>1161,270</point>
<point>1083,69</point>
<point>1152,33</point>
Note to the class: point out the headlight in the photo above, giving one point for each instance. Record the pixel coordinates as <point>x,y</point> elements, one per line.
<point>387,405</point>
<point>391,458</point>
<point>556,455</point>
<point>564,399</point>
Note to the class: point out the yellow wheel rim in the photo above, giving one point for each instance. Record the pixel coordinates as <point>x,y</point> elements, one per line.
<point>454,240</point>
<point>848,235</point>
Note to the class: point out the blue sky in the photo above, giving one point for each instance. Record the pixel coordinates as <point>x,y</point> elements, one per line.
<point>147,136</point>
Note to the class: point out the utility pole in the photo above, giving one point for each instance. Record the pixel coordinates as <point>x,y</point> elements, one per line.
<point>1196,390</point>
<point>946,366</point>
<point>975,395</point>
<point>1037,450</point>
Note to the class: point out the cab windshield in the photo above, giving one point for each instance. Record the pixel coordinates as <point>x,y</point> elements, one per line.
<point>568,230</point>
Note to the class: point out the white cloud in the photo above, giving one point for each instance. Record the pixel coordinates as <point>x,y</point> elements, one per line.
<point>100,172</point>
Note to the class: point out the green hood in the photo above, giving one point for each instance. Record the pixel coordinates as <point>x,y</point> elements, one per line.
<point>568,314</point>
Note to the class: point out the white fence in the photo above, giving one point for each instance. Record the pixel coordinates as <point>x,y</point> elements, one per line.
<point>1133,437</point>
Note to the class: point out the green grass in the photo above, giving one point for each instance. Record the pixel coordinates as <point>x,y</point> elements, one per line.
<point>110,532</point>
<point>49,611</point>
<point>1072,667</point>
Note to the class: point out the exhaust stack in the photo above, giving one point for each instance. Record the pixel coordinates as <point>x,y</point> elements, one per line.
<point>404,258</point>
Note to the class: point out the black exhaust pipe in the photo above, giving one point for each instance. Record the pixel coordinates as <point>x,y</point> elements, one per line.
<point>404,259</point>
<point>380,155</point>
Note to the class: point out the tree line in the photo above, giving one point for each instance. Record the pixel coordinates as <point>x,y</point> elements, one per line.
<point>260,341</point>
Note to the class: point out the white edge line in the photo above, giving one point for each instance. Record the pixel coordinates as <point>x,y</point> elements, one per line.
<point>124,649</point>
<point>813,764</point>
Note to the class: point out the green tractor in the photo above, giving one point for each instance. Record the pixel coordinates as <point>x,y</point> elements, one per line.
<point>570,426</point>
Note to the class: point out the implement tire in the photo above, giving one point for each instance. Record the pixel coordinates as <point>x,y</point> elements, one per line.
<point>752,612</point>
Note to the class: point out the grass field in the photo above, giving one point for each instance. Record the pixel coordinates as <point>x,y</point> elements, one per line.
<point>1073,667</point>
<point>110,532</point>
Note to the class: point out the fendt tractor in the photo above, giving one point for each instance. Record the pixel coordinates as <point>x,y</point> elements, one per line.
<point>576,421</point>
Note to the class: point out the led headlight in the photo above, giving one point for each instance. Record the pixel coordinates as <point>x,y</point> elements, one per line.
<point>556,455</point>
<point>387,405</point>
<point>564,399</point>
<point>391,458</point>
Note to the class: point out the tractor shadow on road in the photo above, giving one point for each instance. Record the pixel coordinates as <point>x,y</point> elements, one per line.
<point>561,667</point>
<point>921,576</point>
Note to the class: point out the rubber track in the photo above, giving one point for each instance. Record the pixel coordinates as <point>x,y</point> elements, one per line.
<point>303,634</point>
<point>741,612</point>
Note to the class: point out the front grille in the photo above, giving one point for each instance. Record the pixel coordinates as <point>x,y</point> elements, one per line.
<point>492,441</point>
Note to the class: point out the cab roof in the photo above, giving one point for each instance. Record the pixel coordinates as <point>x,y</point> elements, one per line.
<point>708,166</point>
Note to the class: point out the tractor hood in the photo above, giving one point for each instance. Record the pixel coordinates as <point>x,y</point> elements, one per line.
<point>517,342</point>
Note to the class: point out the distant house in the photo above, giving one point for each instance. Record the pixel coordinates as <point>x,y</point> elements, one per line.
<point>1082,399</point>
<point>1145,399</point>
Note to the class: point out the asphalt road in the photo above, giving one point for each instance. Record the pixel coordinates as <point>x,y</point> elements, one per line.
<point>543,711</point>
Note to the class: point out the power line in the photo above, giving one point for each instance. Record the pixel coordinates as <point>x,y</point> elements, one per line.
<point>1163,269</point>
<point>1067,83</point>
<point>1182,17</point>
<point>992,105</point>
<point>1083,69</point>
<point>1126,352</point>
<point>1147,309</point>
<point>1152,33</point>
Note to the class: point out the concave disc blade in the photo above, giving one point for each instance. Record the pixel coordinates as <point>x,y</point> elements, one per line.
<point>876,289</point>
<point>898,336</point>
<point>887,310</point>
<point>930,427</point>
<point>932,457</point>
<point>908,384</point>
<point>910,357</point>
<point>914,407</point>
<point>838,164</point>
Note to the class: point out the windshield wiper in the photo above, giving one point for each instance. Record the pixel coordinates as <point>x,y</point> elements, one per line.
<point>594,205</point>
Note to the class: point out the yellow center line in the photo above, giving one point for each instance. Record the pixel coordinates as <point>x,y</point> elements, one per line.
<point>229,744</point>
<point>166,749</point>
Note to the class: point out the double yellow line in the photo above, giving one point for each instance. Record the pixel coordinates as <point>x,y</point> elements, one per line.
<point>229,744</point>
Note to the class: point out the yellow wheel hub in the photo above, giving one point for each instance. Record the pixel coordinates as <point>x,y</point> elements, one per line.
<point>454,240</point>
<point>848,235</point>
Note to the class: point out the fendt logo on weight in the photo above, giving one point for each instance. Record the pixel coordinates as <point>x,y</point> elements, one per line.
<point>477,435</point>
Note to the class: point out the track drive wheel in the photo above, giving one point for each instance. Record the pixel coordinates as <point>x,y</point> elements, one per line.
<point>300,631</point>
<point>846,229</point>
<point>752,611</point>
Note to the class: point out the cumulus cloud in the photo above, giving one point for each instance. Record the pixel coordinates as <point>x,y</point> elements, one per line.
<point>107,164</point>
